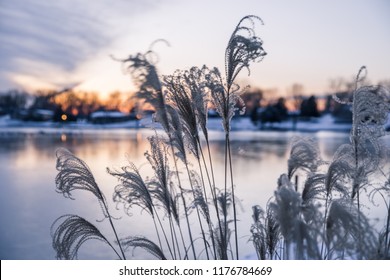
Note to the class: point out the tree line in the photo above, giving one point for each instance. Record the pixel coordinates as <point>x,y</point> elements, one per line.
<point>259,106</point>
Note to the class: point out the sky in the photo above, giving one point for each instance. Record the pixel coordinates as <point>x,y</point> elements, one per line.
<point>66,43</point>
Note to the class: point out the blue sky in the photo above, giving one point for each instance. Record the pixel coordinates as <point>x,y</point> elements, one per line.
<point>55,44</point>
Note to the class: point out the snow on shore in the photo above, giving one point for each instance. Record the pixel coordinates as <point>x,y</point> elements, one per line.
<point>325,123</point>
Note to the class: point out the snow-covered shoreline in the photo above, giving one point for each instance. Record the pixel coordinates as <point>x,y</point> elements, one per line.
<point>324,123</point>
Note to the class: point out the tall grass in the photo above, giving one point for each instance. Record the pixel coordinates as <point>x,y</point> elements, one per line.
<point>181,102</point>
<point>316,210</point>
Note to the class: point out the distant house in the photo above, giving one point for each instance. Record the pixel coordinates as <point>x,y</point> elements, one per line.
<point>39,115</point>
<point>104,117</point>
<point>42,115</point>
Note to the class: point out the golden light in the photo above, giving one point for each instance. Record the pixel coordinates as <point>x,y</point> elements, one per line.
<point>75,112</point>
<point>63,137</point>
<point>64,117</point>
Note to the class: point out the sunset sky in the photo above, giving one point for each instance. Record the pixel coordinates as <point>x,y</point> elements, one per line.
<point>62,43</point>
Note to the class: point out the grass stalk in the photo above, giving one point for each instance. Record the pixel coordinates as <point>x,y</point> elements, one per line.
<point>324,254</point>
<point>211,232</point>
<point>224,237</point>
<point>111,223</point>
<point>212,188</point>
<point>171,228</point>
<point>164,233</point>
<point>183,200</point>
<point>387,233</point>
<point>197,212</point>
<point>233,198</point>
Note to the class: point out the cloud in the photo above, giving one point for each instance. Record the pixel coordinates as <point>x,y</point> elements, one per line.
<point>46,41</point>
<point>65,41</point>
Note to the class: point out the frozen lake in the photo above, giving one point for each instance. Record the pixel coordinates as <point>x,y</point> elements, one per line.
<point>29,203</point>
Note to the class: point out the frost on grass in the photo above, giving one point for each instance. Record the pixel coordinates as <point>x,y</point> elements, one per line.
<point>320,219</point>
<point>327,220</point>
<point>304,155</point>
<point>244,47</point>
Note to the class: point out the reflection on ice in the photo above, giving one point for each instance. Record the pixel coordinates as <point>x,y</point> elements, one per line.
<point>29,203</point>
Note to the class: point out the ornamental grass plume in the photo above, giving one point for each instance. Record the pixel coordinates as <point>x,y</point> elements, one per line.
<point>143,70</point>
<point>145,244</point>
<point>162,190</point>
<point>348,232</point>
<point>265,233</point>
<point>370,108</point>
<point>258,232</point>
<point>304,155</point>
<point>300,236</point>
<point>133,190</point>
<point>71,234</point>
<point>74,174</point>
<point>179,93</point>
<point>313,188</point>
<point>243,48</point>
<point>338,175</point>
<point>195,79</point>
